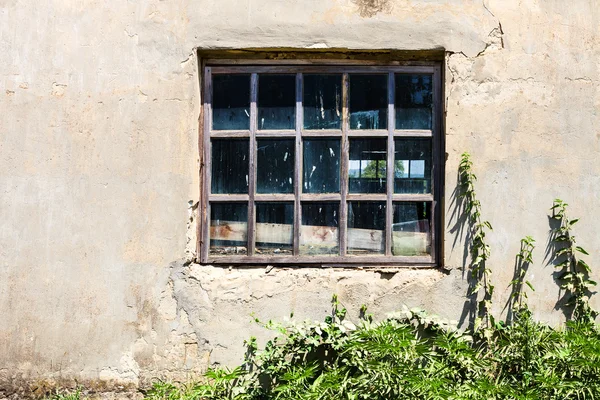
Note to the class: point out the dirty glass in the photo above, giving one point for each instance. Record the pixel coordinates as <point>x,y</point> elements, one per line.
<point>366,227</point>
<point>274,228</point>
<point>276,101</point>
<point>275,169</point>
<point>367,166</point>
<point>231,102</point>
<point>412,166</point>
<point>413,101</point>
<point>322,101</point>
<point>228,228</point>
<point>321,168</point>
<point>229,166</point>
<point>319,234</point>
<point>368,101</point>
<point>411,231</point>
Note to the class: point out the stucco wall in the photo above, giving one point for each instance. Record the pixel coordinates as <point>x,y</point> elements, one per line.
<point>98,167</point>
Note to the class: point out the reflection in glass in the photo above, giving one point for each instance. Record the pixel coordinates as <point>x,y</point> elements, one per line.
<point>367,167</point>
<point>276,101</point>
<point>319,231</point>
<point>413,101</point>
<point>322,101</point>
<point>366,227</point>
<point>231,102</point>
<point>228,228</point>
<point>275,169</point>
<point>412,166</point>
<point>368,101</point>
<point>321,168</point>
<point>274,228</point>
<point>411,231</point>
<point>229,166</point>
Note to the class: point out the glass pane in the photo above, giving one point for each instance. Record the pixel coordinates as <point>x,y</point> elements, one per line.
<point>413,101</point>
<point>368,101</point>
<point>229,171</point>
<point>412,166</point>
<point>322,101</point>
<point>228,228</point>
<point>367,167</point>
<point>275,170</point>
<point>321,167</point>
<point>411,231</point>
<point>319,231</point>
<point>277,102</point>
<point>366,227</point>
<point>231,102</point>
<point>274,228</point>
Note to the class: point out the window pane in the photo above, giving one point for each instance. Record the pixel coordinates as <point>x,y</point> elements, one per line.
<point>229,166</point>
<point>322,101</point>
<point>413,101</point>
<point>367,167</point>
<point>277,102</point>
<point>228,228</point>
<point>411,231</point>
<point>366,227</point>
<point>412,167</point>
<point>368,101</point>
<point>321,168</point>
<point>275,170</point>
<point>274,228</point>
<point>231,102</point>
<point>319,232</point>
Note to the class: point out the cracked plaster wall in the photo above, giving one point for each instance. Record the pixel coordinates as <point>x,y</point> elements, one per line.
<point>98,161</point>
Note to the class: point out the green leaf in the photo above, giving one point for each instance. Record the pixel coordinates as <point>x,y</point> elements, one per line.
<point>582,250</point>
<point>530,285</point>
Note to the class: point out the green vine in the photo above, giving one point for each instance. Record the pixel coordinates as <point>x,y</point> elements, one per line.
<point>574,272</point>
<point>480,250</point>
<point>524,260</point>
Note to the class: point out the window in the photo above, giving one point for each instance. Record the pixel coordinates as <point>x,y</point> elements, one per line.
<point>334,164</point>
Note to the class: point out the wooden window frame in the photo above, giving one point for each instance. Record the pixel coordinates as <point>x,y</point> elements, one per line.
<point>298,67</point>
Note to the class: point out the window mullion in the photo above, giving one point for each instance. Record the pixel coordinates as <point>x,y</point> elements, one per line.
<point>437,167</point>
<point>206,164</point>
<point>298,166</point>
<point>252,161</point>
<point>390,166</point>
<point>344,166</point>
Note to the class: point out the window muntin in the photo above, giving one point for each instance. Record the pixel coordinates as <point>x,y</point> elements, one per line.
<point>325,178</point>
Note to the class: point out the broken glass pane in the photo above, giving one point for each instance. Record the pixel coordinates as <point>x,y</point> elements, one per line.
<point>228,228</point>
<point>366,227</point>
<point>274,228</point>
<point>276,101</point>
<point>321,168</point>
<point>412,166</point>
<point>413,101</point>
<point>229,166</point>
<point>411,231</point>
<point>275,170</point>
<point>319,231</point>
<point>367,167</point>
<point>368,101</point>
<point>322,101</point>
<point>231,102</point>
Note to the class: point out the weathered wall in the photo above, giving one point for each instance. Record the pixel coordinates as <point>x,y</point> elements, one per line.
<point>98,135</point>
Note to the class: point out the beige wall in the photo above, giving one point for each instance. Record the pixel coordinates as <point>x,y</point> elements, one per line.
<point>99,103</point>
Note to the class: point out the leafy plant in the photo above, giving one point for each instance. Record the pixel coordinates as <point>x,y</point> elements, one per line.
<point>518,293</point>
<point>574,271</point>
<point>480,250</point>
